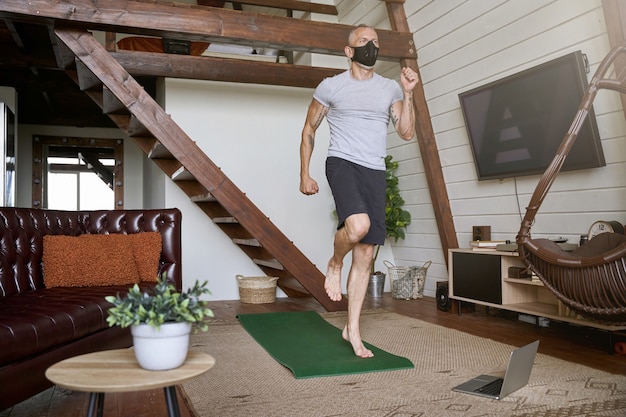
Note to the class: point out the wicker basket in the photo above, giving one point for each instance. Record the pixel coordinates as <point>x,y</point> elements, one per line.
<point>407,282</point>
<point>257,290</point>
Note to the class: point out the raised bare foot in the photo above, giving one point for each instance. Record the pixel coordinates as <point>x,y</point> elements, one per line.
<point>357,344</point>
<point>332,283</point>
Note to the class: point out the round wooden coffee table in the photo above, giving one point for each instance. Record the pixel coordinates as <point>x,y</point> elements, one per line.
<point>118,371</point>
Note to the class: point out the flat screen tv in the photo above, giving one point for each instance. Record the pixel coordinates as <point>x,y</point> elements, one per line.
<point>516,124</point>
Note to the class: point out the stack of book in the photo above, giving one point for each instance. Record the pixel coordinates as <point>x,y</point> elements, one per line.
<point>485,245</point>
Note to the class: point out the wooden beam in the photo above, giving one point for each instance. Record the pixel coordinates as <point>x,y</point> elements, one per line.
<point>302,6</point>
<point>221,69</point>
<point>16,36</point>
<point>206,24</point>
<point>427,143</point>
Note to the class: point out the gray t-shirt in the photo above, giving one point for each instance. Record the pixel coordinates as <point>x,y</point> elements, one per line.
<point>358,116</point>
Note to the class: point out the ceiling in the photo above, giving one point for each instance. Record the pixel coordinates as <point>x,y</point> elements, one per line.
<point>45,94</point>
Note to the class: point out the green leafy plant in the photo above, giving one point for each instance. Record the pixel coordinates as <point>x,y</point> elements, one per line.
<point>160,305</point>
<point>396,218</point>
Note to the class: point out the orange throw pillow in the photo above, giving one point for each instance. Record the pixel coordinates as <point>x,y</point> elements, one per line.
<point>100,260</point>
<point>147,248</point>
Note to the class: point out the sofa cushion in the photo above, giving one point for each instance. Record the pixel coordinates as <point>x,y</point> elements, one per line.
<point>36,321</point>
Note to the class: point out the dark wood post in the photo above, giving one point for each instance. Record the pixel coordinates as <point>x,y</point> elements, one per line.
<point>426,140</point>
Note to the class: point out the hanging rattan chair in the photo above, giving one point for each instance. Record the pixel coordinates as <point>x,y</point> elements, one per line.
<point>592,283</point>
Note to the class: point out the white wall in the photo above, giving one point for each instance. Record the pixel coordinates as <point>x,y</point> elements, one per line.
<point>8,95</point>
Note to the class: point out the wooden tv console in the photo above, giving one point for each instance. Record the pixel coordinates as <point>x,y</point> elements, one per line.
<point>482,277</point>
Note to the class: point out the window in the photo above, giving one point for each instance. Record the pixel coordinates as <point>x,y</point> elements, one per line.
<point>77,173</point>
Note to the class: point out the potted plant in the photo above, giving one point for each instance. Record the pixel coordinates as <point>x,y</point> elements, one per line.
<point>396,219</point>
<point>161,316</point>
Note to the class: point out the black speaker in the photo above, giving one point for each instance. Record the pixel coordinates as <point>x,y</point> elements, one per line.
<point>481,233</point>
<point>173,46</point>
<point>443,301</point>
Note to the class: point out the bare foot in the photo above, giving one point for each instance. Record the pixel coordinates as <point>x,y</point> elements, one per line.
<point>357,344</point>
<point>332,283</point>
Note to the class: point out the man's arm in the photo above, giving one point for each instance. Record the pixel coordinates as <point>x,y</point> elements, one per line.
<point>314,117</point>
<point>402,112</point>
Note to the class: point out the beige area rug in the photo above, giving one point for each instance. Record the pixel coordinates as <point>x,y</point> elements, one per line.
<point>246,381</point>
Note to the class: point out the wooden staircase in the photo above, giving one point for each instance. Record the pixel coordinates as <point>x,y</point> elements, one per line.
<point>125,101</point>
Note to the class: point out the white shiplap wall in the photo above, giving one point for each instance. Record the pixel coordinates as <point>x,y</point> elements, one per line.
<point>465,44</point>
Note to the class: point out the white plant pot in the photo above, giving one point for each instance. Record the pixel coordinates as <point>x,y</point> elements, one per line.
<point>163,348</point>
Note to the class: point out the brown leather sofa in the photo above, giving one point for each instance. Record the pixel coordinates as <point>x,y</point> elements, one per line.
<point>40,326</point>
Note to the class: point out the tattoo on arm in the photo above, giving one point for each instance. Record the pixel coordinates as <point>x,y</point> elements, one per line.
<point>394,118</point>
<point>409,117</point>
<point>320,116</point>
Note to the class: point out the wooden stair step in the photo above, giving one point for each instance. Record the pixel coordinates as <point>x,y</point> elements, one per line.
<point>111,104</point>
<point>269,263</point>
<point>136,128</point>
<point>87,80</point>
<point>65,57</point>
<point>203,198</point>
<point>212,208</point>
<point>145,144</point>
<point>182,174</point>
<point>159,151</point>
<point>247,242</point>
<point>225,220</point>
<point>292,287</point>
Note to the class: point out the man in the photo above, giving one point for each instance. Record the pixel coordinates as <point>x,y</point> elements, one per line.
<point>358,105</point>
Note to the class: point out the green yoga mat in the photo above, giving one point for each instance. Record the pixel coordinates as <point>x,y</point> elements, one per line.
<point>311,347</point>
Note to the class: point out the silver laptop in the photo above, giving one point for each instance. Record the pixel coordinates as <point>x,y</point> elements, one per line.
<point>516,376</point>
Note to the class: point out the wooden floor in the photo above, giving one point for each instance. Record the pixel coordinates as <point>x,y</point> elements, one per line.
<point>572,343</point>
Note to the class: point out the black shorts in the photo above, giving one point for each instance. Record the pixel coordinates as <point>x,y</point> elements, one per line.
<point>357,189</point>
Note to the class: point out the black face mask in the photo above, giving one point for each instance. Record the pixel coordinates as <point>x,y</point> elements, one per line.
<point>366,54</point>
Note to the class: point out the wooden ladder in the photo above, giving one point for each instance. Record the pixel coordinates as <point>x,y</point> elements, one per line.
<point>134,111</point>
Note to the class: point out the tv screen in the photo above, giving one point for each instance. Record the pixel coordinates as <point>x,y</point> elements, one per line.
<point>516,124</point>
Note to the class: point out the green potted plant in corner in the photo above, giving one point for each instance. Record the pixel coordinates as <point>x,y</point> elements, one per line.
<point>396,220</point>
<point>161,321</point>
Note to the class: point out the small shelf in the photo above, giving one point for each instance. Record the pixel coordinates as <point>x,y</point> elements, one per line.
<point>523,281</point>
<point>535,308</point>
<point>551,311</point>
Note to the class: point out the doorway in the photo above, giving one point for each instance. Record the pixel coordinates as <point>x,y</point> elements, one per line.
<point>76,173</point>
